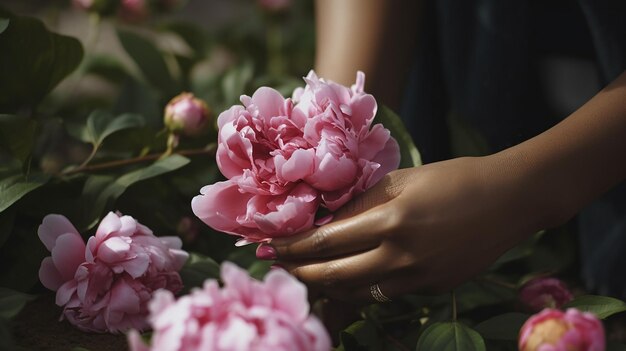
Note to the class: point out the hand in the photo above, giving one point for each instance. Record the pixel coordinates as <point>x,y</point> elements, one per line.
<point>424,229</point>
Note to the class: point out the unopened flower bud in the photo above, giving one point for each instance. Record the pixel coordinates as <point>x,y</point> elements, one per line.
<point>562,331</point>
<point>544,292</point>
<point>133,11</point>
<point>101,7</point>
<point>186,114</point>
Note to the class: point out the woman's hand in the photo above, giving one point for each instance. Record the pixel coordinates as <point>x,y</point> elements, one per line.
<point>422,229</point>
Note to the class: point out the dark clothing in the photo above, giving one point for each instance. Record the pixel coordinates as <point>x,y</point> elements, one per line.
<point>481,64</point>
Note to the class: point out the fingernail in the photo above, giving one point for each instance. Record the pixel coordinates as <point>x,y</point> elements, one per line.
<point>324,220</point>
<point>265,252</point>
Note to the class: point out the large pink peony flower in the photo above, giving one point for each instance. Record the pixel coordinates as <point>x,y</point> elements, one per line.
<point>243,315</point>
<point>106,284</point>
<point>283,160</point>
<point>555,330</point>
<point>544,292</point>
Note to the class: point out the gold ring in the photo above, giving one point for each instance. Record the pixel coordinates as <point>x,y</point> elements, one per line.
<point>377,294</point>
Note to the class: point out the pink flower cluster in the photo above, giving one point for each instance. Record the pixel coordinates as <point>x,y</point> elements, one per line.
<point>555,330</point>
<point>284,160</point>
<point>544,292</point>
<point>243,315</point>
<point>104,286</point>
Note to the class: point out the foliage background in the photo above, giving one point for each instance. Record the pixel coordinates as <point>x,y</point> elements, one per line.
<point>81,134</point>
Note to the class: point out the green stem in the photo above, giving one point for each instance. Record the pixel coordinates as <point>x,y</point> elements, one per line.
<point>94,149</point>
<point>274,38</point>
<point>209,150</point>
<point>453,306</point>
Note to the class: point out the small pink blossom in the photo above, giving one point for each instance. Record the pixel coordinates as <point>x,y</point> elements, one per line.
<point>544,292</point>
<point>243,315</point>
<point>555,330</point>
<point>104,286</point>
<point>283,161</point>
<point>133,11</point>
<point>186,114</point>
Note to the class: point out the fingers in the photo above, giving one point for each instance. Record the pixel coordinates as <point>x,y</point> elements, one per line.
<point>342,273</point>
<point>338,238</point>
<point>385,190</point>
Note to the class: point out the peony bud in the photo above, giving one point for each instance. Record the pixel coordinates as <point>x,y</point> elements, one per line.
<point>543,292</point>
<point>186,114</point>
<point>133,11</point>
<point>275,5</point>
<point>102,7</point>
<point>556,330</point>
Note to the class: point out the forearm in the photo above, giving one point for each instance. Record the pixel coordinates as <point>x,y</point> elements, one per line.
<point>374,36</point>
<point>576,161</point>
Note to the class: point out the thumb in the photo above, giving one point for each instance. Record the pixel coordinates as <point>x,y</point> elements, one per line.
<point>387,189</point>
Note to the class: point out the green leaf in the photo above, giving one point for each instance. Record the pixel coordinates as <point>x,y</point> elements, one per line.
<point>35,60</point>
<point>109,191</point>
<point>503,327</point>
<point>15,187</point>
<point>192,34</point>
<point>197,269</point>
<point>601,306</point>
<point>451,336</point>
<point>7,219</point>
<point>259,269</point>
<point>614,346</point>
<point>17,134</point>
<point>409,155</point>
<point>107,67</point>
<point>4,24</point>
<point>12,302</point>
<point>101,124</point>
<point>361,335</point>
<point>236,80</point>
<point>149,60</point>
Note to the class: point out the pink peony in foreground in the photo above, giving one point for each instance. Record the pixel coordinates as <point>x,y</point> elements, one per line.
<point>555,330</point>
<point>245,314</point>
<point>285,158</point>
<point>104,286</point>
<point>544,292</point>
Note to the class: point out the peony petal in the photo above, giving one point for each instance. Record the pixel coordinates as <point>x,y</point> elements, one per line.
<point>113,250</point>
<point>128,226</point>
<point>300,165</point>
<point>316,331</point>
<point>68,254</point>
<point>137,266</point>
<point>124,298</point>
<point>342,169</point>
<point>220,204</point>
<point>109,224</point>
<point>49,275</point>
<point>364,109</point>
<point>173,242</point>
<point>290,296</point>
<point>53,226</point>
<point>234,152</point>
<point>294,212</point>
<point>388,159</point>
<point>135,342</point>
<point>374,142</point>
<point>65,292</point>
<point>269,102</point>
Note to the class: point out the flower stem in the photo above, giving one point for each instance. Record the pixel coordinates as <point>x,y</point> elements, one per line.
<point>209,150</point>
<point>274,38</point>
<point>453,306</point>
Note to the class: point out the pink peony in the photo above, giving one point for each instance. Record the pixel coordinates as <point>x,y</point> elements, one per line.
<point>543,292</point>
<point>555,330</point>
<point>243,315</point>
<point>106,284</point>
<point>186,114</point>
<point>283,160</point>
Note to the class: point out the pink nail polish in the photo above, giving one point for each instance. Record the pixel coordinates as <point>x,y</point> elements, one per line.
<point>276,266</point>
<point>265,252</point>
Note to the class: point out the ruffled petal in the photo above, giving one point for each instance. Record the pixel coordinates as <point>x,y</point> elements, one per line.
<point>53,226</point>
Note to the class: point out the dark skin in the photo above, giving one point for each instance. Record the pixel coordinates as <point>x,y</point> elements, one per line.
<point>430,228</point>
